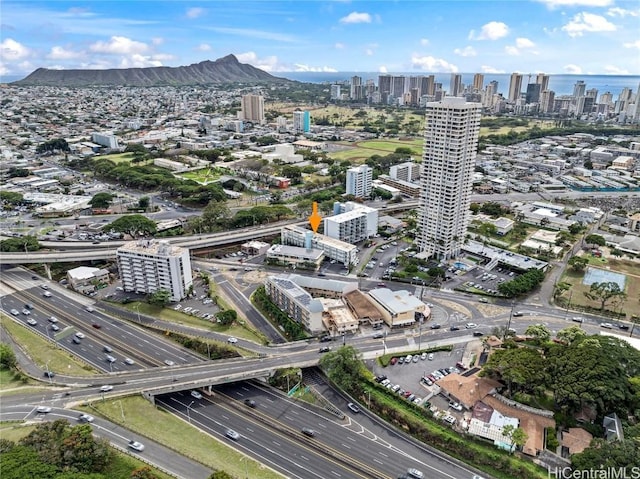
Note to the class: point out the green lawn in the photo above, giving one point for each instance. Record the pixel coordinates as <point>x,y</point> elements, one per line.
<point>204,175</point>
<point>42,351</point>
<point>390,145</point>
<point>172,316</point>
<point>116,158</point>
<point>165,428</point>
<point>14,431</point>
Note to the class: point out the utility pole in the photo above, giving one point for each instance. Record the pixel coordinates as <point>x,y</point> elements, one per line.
<point>506,330</point>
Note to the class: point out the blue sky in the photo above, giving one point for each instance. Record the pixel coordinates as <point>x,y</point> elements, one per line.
<point>552,36</point>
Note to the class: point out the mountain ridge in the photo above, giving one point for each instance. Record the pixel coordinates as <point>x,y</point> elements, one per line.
<point>223,70</point>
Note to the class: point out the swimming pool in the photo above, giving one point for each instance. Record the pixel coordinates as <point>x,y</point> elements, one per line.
<point>459,265</point>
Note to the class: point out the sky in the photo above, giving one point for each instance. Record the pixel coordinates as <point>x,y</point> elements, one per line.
<point>552,36</point>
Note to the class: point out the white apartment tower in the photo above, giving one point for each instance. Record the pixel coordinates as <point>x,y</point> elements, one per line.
<point>450,146</point>
<point>253,108</point>
<point>147,266</point>
<point>359,181</point>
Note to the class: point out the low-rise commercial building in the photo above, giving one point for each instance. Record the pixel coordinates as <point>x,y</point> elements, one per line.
<point>398,308</point>
<point>85,280</point>
<point>295,256</point>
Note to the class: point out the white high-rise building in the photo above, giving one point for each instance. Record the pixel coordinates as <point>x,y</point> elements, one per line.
<point>147,266</point>
<point>451,143</point>
<point>351,222</point>
<point>359,181</point>
<point>515,86</point>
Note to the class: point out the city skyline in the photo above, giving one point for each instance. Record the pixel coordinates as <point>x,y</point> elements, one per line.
<point>326,36</point>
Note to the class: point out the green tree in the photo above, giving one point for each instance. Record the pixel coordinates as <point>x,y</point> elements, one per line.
<point>101,200</point>
<point>7,357</point>
<point>160,298</point>
<point>144,472</point>
<point>595,239</point>
<point>22,244</point>
<point>575,228</point>
<point>143,203</point>
<point>560,288</point>
<point>604,455</point>
<point>221,475</point>
<point>342,366</point>
<point>227,316</point>
<point>571,334</point>
<point>539,332</point>
<point>605,292</point>
<point>133,225</point>
<point>515,435</point>
<point>578,263</point>
<point>519,368</point>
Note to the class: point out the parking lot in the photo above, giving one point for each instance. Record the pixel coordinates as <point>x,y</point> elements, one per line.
<point>408,375</point>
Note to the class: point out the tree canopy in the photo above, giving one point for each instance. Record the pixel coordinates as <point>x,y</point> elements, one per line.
<point>101,200</point>
<point>605,292</point>
<point>22,244</point>
<point>133,225</point>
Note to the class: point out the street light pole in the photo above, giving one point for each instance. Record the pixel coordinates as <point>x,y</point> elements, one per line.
<point>504,334</point>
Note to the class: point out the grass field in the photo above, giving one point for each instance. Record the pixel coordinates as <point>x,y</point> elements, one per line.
<point>42,351</point>
<point>165,428</point>
<point>14,431</point>
<point>366,149</point>
<point>203,176</point>
<point>170,315</point>
<point>116,158</point>
<point>632,287</point>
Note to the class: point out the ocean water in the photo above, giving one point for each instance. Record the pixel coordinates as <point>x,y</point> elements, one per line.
<point>561,84</point>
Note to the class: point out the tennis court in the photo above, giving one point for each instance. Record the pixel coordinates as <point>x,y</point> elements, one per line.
<point>594,275</point>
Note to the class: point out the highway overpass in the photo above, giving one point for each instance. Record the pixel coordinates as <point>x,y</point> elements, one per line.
<point>72,251</point>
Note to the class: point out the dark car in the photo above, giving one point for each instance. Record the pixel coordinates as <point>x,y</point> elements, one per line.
<point>454,328</point>
<point>324,349</point>
<point>435,326</point>
<point>380,378</point>
<point>381,335</point>
<point>49,374</point>
<point>478,333</point>
<point>623,326</point>
<point>307,431</point>
<point>250,402</point>
<point>325,339</point>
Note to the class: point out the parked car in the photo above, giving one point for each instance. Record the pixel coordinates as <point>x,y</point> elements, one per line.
<point>456,406</point>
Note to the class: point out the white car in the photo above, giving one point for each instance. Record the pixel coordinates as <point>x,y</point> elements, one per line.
<point>129,361</point>
<point>106,388</point>
<point>15,312</point>
<point>168,362</point>
<point>55,327</point>
<point>80,335</point>
<point>606,325</point>
<point>32,322</point>
<point>455,405</point>
<point>232,340</point>
<point>85,418</point>
<point>136,446</point>
<point>196,394</point>
<point>53,319</point>
<point>471,325</point>
<point>231,434</point>
<point>43,409</point>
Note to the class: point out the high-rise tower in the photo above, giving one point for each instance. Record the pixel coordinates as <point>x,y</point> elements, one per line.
<point>450,146</point>
<point>455,86</point>
<point>253,108</point>
<point>478,82</point>
<point>515,86</point>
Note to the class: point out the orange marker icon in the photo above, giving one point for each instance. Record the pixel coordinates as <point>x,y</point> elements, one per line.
<point>315,218</point>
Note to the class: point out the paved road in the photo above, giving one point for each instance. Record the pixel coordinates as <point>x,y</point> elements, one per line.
<point>154,453</point>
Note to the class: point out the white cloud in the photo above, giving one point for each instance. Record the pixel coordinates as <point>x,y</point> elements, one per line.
<point>524,43</point>
<point>268,64</point>
<point>338,46</point>
<point>488,69</point>
<point>139,61</point>
<point>490,31</point>
<point>60,53</point>
<point>356,17</point>
<point>424,42</point>
<point>157,40</point>
<point>368,52</point>
<point>572,69</point>
<point>621,12</point>
<point>306,68</point>
<point>382,69</point>
<point>251,33</point>
<point>195,12</point>
<point>614,70</point>
<point>12,50</point>
<point>587,22</point>
<point>635,44</point>
<point>465,52</point>
<point>431,64</point>
<point>119,46</point>
<point>203,47</point>
<point>511,50</point>
<point>570,3</point>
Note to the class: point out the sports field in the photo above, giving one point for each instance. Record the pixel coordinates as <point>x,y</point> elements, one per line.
<point>116,158</point>
<point>360,151</point>
<point>203,176</point>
